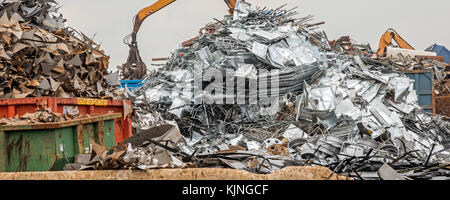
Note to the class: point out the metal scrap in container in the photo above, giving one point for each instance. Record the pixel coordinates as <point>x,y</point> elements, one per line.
<point>38,117</point>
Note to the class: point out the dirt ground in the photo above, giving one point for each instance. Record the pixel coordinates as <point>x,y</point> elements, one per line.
<point>289,173</point>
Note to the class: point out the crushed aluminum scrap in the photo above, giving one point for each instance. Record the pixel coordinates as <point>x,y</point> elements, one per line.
<point>244,47</point>
<point>39,56</point>
<point>350,116</point>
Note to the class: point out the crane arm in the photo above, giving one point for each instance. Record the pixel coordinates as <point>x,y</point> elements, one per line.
<point>402,43</point>
<point>135,68</point>
<point>231,5</point>
<point>386,40</point>
<point>146,12</point>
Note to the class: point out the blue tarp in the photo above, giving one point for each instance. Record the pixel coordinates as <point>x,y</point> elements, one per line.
<point>441,51</point>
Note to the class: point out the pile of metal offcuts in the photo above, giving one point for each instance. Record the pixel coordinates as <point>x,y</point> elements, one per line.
<point>39,56</point>
<point>336,110</point>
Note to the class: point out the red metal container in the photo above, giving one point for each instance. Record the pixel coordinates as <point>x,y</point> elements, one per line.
<point>9,108</point>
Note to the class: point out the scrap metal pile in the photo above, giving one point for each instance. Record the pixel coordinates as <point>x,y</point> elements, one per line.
<point>407,63</point>
<point>247,48</point>
<point>343,112</point>
<point>39,56</point>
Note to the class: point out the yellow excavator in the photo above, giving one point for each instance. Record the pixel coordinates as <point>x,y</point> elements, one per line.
<point>386,40</point>
<point>134,68</point>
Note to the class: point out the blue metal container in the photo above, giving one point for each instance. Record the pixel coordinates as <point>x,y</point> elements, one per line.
<point>131,84</point>
<point>424,88</point>
<point>440,51</point>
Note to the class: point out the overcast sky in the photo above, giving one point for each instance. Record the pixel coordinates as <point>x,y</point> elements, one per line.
<point>421,23</point>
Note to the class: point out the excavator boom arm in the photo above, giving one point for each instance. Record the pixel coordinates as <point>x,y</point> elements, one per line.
<point>135,67</point>
<point>402,43</point>
<point>386,40</point>
<point>146,12</point>
<point>231,5</point>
